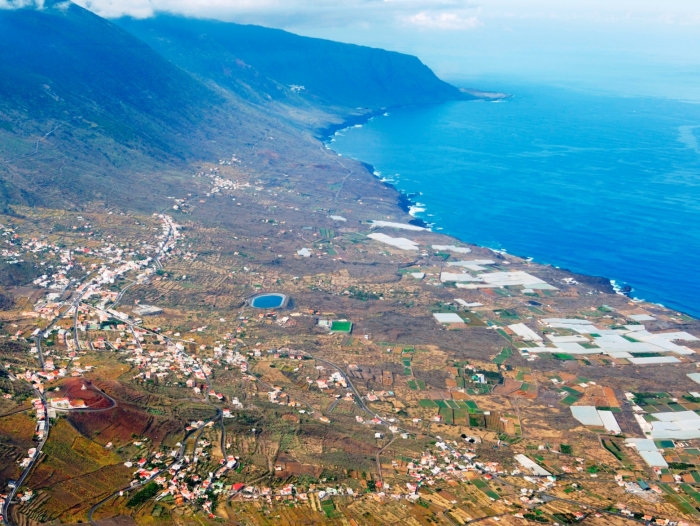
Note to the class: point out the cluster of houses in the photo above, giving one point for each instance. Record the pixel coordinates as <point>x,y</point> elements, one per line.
<point>55,277</point>
<point>179,478</point>
<point>41,415</point>
<point>117,262</point>
<point>26,496</point>
<point>48,307</point>
<point>333,380</point>
<point>220,183</point>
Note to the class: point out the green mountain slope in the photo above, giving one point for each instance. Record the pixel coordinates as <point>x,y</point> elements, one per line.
<point>91,112</point>
<point>330,72</point>
<point>60,62</point>
<point>85,107</point>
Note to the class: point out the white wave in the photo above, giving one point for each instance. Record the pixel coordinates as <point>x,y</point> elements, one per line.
<point>617,287</point>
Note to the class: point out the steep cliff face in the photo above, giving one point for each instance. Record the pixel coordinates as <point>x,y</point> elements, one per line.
<point>274,62</point>
<point>90,107</point>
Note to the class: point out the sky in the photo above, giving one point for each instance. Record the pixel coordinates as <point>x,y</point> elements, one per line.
<point>635,47</point>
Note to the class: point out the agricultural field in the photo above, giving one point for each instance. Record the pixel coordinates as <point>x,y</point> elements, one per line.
<point>159,395</point>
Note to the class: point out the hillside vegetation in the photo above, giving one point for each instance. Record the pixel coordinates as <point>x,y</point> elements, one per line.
<point>93,111</point>
<point>272,60</point>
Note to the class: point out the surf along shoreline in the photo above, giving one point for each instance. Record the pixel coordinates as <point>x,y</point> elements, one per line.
<point>406,201</point>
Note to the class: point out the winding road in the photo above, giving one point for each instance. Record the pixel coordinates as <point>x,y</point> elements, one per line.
<point>183,444</point>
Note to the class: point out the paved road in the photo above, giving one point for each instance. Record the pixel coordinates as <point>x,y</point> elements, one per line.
<point>92,409</point>
<point>47,428</point>
<point>544,495</point>
<point>333,405</point>
<point>351,386</point>
<point>365,408</point>
<point>40,336</point>
<point>183,444</point>
<point>38,339</point>
<point>379,459</point>
<point>42,397</point>
<point>178,458</point>
<point>25,473</point>
<point>122,292</point>
<point>158,265</point>
<point>161,251</point>
<point>219,417</point>
<point>76,306</point>
<point>130,487</point>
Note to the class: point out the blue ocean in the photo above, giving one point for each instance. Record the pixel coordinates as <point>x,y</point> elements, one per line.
<point>598,184</point>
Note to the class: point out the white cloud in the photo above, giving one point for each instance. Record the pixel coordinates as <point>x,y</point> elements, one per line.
<point>427,14</point>
<point>18,4</point>
<point>431,16</point>
<point>439,14</point>
<point>224,9</point>
<point>198,8</point>
<point>450,21</point>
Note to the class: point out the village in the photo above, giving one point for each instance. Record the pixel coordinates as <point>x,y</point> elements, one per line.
<point>494,402</point>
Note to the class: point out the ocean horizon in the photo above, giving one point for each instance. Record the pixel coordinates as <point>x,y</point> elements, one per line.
<point>602,185</point>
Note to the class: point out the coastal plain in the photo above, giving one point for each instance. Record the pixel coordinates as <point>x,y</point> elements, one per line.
<point>322,420</point>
